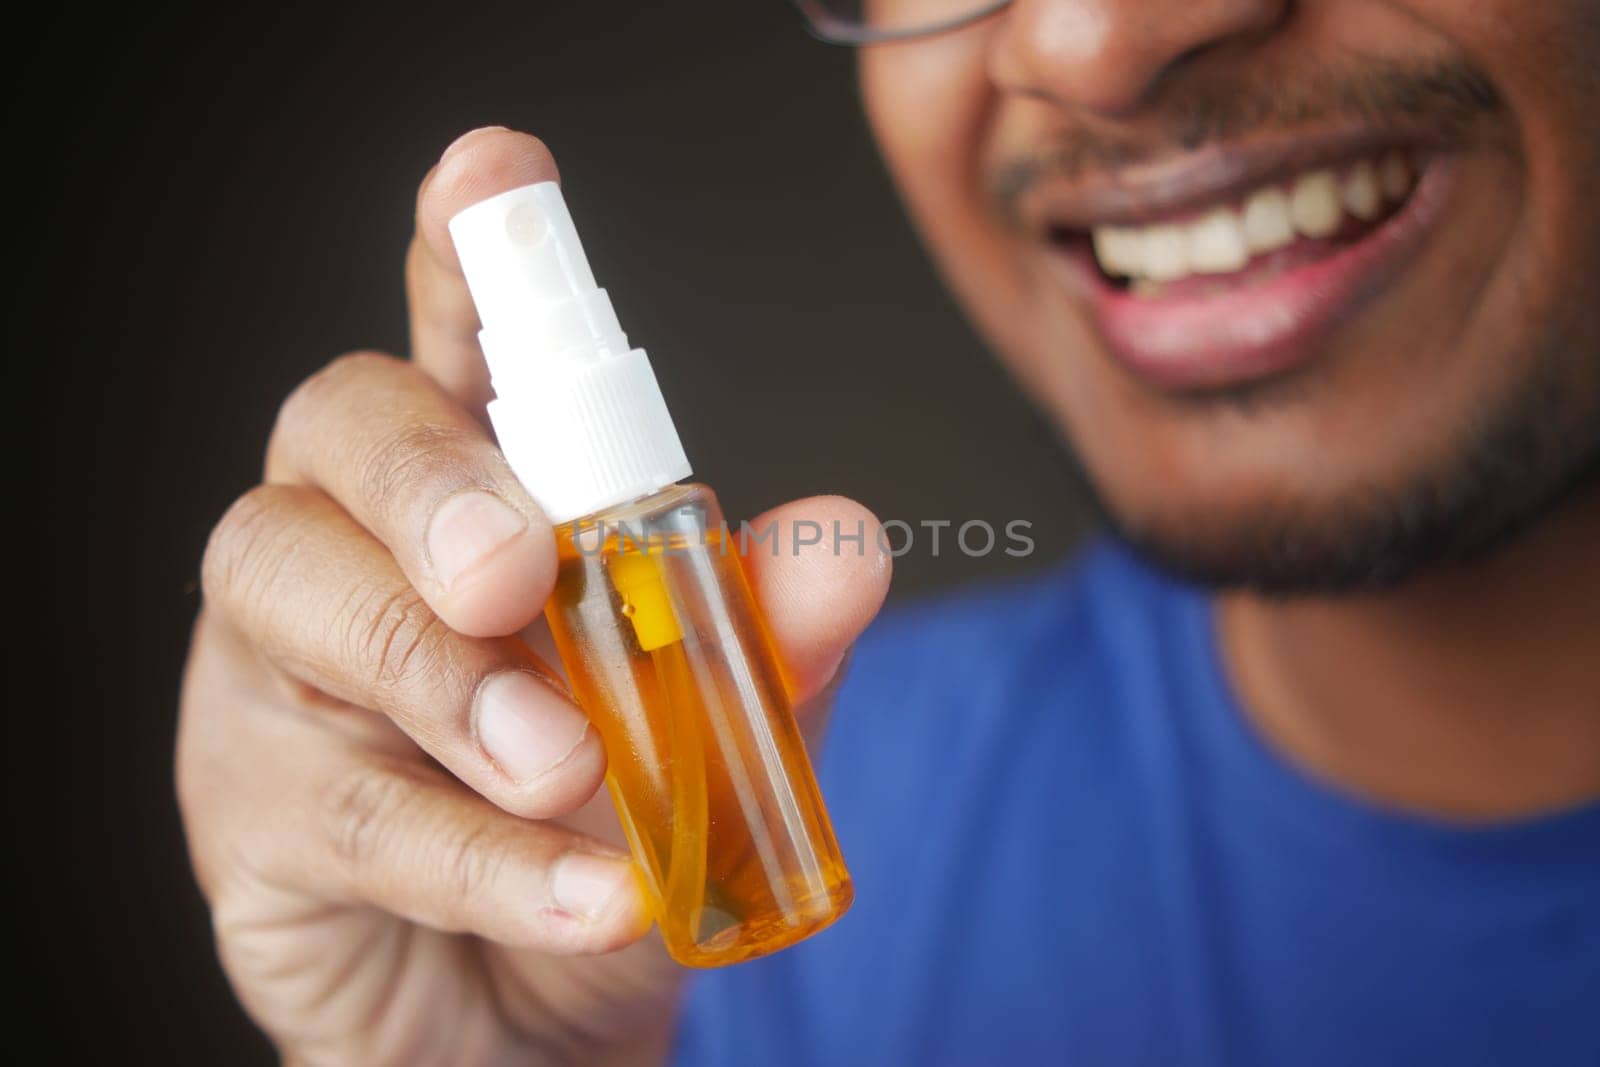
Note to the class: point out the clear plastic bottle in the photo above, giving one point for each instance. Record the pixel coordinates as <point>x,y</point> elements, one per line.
<point>661,639</point>
<point>666,652</point>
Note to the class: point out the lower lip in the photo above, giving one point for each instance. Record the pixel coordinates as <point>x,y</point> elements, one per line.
<point>1260,329</point>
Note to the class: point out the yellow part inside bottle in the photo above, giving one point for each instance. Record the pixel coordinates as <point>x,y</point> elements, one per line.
<point>638,581</point>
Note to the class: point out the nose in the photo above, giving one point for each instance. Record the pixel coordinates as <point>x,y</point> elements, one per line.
<point>1107,56</point>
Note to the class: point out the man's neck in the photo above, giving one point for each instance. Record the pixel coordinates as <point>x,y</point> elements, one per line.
<point>1471,693</point>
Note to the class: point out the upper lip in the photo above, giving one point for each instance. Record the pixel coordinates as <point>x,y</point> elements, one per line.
<point>1175,185</point>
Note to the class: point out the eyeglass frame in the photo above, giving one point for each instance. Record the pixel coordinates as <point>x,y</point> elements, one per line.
<point>831,30</point>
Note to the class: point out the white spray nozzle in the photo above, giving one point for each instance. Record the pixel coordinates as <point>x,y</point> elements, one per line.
<point>531,281</point>
<point>578,413</point>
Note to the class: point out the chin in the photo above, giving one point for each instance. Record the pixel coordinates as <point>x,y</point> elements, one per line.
<point>1288,540</point>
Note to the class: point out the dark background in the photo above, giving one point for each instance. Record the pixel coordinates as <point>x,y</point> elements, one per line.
<point>211,206</point>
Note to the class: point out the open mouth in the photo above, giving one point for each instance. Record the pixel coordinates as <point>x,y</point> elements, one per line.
<point>1257,236</point>
<point>1191,293</point>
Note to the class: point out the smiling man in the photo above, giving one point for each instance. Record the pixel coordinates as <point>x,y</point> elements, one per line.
<point>1303,767</point>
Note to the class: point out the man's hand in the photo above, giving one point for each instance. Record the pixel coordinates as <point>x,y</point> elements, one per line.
<point>391,801</point>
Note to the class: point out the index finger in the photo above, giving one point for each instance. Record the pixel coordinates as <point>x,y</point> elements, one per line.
<point>444,324</point>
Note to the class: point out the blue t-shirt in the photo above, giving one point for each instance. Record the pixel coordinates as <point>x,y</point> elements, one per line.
<point>1069,847</point>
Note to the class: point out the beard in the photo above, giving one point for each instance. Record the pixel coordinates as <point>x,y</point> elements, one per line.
<point>1534,450</point>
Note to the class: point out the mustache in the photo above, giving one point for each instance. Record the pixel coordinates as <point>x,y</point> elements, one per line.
<point>1443,100</point>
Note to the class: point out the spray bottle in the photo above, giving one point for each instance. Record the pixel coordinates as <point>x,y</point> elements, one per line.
<point>661,639</point>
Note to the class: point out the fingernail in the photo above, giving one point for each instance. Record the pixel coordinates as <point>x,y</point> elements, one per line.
<point>525,726</point>
<point>584,883</point>
<point>460,142</point>
<point>466,529</point>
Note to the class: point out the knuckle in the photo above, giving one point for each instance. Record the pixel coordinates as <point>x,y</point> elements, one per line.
<point>472,860</point>
<point>361,811</point>
<point>392,635</point>
<point>413,459</point>
<point>377,814</point>
<point>244,548</point>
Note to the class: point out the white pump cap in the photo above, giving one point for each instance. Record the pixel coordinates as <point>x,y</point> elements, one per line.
<point>578,413</point>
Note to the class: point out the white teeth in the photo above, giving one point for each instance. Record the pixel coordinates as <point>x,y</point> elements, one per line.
<point>1266,220</point>
<point>1216,243</point>
<point>1394,175</point>
<point>1165,253</point>
<point>1362,197</point>
<point>1314,204</point>
<point>1222,240</point>
<point>1117,249</point>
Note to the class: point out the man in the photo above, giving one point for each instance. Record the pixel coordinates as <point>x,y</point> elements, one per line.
<point>1309,777</point>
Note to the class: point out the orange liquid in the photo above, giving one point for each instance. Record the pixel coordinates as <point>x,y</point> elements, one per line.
<point>666,653</point>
